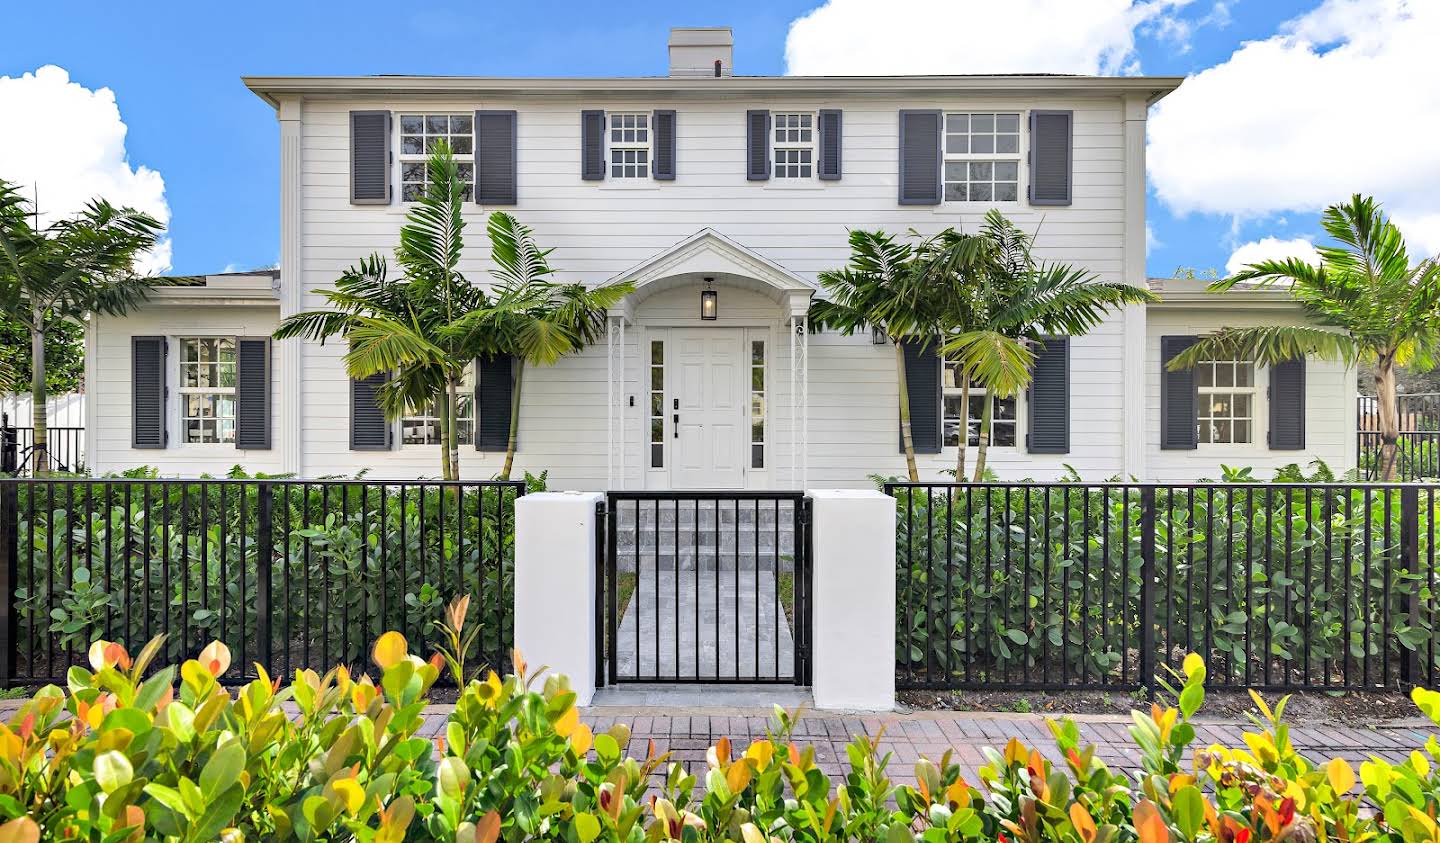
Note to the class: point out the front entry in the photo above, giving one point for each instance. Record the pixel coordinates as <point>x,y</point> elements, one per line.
<point>707,406</point>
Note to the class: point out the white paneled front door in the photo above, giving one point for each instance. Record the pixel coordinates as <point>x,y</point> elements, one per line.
<point>707,406</point>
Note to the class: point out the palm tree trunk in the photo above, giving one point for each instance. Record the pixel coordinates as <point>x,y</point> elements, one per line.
<point>514,419</point>
<point>905,438</point>
<point>444,413</point>
<point>39,413</point>
<point>453,454</point>
<point>1389,404</point>
<point>986,420</point>
<point>964,429</point>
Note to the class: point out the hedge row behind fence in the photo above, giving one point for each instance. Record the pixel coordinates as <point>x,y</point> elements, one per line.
<point>290,574</point>
<point>1036,586</point>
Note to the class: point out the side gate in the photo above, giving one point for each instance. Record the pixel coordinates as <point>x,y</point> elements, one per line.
<point>703,587</point>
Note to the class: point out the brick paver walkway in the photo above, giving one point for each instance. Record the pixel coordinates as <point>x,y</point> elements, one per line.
<point>686,736</point>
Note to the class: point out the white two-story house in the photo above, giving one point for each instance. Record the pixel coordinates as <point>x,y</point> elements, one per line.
<point>721,197</point>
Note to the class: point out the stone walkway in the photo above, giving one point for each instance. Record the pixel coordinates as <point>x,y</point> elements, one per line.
<point>700,617</point>
<point>686,735</point>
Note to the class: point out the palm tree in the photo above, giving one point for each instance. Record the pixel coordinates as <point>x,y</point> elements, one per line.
<point>532,320</point>
<point>882,289</point>
<point>1020,302</point>
<point>1367,302</point>
<point>399,326</point>
<point>953,264</point>
<point>64,271</point>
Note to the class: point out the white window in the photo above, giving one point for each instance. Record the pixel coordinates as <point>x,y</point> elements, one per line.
<point>1225,414</point>
<point>982,157</point>
<point>207,389</point>
<point>794,146</point>
<point>757,403</point>
<point>960,417</point>
<point>418,135</point>
<point>657,404</point>
<point>630,146</point>
<point>424,429</point>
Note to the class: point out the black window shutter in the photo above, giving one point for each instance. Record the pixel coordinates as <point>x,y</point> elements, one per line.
<point>1051,143</point>
<point>592,145</point>
<point>369,157</point>
<point>1049,404</point>
<point>664,129</point>
<point>830,147</point>
<point>252,393</point>
<point>919,157</point>
<point>147,392</point>
<point>494,384</point>
<point>1178,398</point>
<point>757,145</point>
<point>496,180</point>
<point>922,382</point>
<point>369,429</point>
<point>1287,405</point>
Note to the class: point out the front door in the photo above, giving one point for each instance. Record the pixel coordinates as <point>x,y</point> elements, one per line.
<point>707,399</point>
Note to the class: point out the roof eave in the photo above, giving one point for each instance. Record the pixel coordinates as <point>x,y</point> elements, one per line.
<point>270,88</point>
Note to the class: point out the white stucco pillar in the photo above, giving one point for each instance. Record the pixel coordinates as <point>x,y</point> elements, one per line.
<point>853,599</point>
<point>555,585</point>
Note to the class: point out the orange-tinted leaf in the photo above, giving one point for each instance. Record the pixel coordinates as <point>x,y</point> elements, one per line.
<point>488,829</point>
<point>1083,822</point>
<point>1149,825</point>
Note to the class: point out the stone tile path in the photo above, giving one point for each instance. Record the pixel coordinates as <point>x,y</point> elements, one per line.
<point>686,735</point>
<point>698,611</point>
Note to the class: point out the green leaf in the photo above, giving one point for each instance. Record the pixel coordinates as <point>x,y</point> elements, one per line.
<point>222,770</point>
<point>113,771</point>
<point>587,827</point>
<point>1188,808</point>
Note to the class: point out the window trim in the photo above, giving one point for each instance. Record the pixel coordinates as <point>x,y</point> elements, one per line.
<point>612,146</point>
<point>1019,420</point>
<point>177,373</point>
<point>401,158</point>
<point>470,374</point>
<point>1259,407</point>
<point>811,146</point>
<point>1020,158</point>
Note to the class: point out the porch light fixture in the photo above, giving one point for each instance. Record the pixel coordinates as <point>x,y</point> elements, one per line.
<point>709,302</point>
<point>877,335</point>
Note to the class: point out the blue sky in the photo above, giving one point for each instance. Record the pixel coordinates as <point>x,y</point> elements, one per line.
<point>175,72</point>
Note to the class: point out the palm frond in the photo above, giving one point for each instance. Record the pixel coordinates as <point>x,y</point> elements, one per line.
<point>1268,345</point>
<point>1002,363</point>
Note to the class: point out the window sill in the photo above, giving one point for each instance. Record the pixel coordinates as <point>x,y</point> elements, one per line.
<point>793,184</point>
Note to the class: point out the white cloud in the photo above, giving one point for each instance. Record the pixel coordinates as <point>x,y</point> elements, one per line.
<point>70,142</point>
<point>868,37</point>
<point>1341,100</point>
<point>1271,248</point>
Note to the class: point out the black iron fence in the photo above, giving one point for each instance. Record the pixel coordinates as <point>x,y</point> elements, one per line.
<point>704,587</point>
<point>1101,586</point>
<point>65,446</point>
<point>1417,452</point>
<point>291,574</point>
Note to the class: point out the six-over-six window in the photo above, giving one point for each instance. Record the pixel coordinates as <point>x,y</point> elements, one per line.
<point>207,389</point>
<point>1225,414</point>
<point>794,145</point>
<point>982,157</point>
<point>630,146</point>
<point>419,133</point>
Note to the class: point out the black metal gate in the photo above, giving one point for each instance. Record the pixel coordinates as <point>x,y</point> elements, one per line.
<point>709,587</point>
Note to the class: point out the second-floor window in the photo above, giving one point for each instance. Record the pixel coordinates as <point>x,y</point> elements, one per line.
<point>630,146</point>
<point>794,145</point>
<point>982,157</point>
<point>418,136</point>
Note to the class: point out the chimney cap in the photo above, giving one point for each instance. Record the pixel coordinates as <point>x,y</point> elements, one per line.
<point>701,36</point>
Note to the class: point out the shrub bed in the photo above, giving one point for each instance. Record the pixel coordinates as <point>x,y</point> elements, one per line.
<point>119,756</point>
